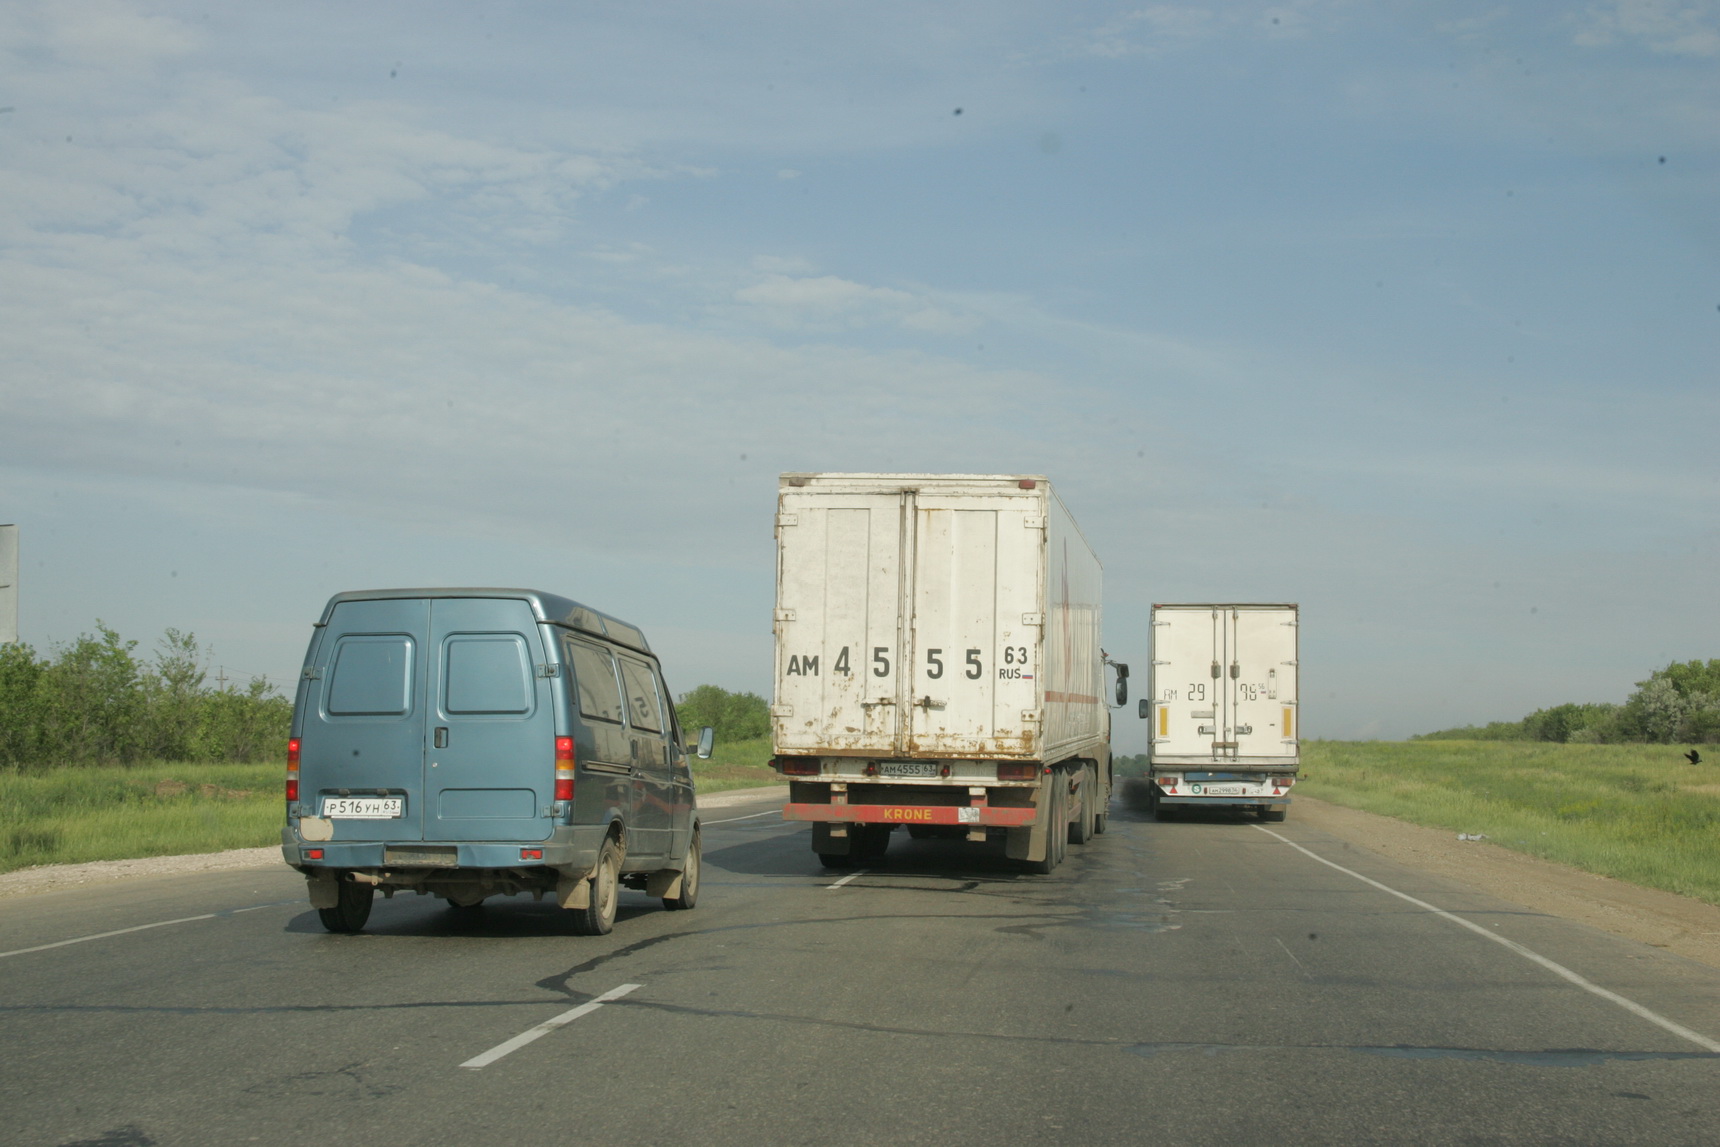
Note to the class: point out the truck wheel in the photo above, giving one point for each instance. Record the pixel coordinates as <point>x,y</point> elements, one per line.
<point>1274,814</point>
<point>874,841</point>
<point>353,909</point>
<point>1102,802</point>
<point>1081,828</point>
<point>689,879</point>
<point>598,916</point>
<point>1154,808</point>
<point>836,859</point>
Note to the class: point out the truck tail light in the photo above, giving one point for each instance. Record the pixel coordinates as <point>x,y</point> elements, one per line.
<point>564,762</point>
<point>795,766</point>
<point>292,768</point>
<point>1007,771</point>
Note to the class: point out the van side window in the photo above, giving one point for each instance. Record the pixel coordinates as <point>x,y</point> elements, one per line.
<point>594,680</point>
<point>487,673</point>
<point>644,709</point>
<point>370,675</point>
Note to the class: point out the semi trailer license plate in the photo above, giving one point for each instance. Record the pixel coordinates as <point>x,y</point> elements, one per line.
<point>363,808</point>
<point>908,769</point>
<point>1219,790</point>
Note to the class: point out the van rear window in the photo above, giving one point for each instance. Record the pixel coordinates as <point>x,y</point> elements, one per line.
<point>594,675</point>
<point>486,673</point>
<point>371,676</point>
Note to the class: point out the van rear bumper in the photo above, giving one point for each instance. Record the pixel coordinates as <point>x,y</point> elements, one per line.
<point>570,849</point>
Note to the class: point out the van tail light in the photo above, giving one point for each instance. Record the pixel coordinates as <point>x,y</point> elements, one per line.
<point>292,768</point>
<point>1008,771</point>
<point>795,766</point>
<point>564,762</point>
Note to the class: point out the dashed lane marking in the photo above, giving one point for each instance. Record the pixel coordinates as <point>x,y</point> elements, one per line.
<point>1557,969</point>
<point>546,1027</point>
<point>144,928</point>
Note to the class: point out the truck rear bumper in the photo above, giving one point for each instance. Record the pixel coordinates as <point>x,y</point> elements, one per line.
<point>1256,800</point>
<point>984,816</point>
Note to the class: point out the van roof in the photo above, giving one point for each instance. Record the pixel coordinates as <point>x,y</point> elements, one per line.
<point>546,607</point>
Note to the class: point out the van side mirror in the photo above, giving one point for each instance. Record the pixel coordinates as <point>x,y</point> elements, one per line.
<point>1146,709</point>
<point>707,742</point>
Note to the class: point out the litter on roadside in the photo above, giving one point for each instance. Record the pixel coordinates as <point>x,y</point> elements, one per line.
<point>1471,836</point>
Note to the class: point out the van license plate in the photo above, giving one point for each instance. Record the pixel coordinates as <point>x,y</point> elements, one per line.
<point>363,808</point>
<point>908,769</point>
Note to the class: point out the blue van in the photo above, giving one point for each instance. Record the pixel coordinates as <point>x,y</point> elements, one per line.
<point>467,743</point>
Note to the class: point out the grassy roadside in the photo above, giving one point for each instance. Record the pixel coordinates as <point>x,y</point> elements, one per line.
<point>1640,813</point>
<point>77,814</point>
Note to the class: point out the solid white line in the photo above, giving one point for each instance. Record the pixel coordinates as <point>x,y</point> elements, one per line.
<point>754,816</point>
<point>105,935</point>
<point>546,1027</point>
<point>845,879</point>
<point>1631,1006</point>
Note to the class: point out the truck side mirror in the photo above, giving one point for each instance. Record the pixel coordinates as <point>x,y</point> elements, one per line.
<point>1122,689</point>
<point>1146,709</point>
<point>707,742</point>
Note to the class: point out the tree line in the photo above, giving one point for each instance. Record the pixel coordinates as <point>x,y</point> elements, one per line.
<point>96,701</point>
<point>1676,705</point>
<point>735,716</point>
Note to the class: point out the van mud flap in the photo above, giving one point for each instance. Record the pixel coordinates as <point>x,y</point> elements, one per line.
<point>573,891</point>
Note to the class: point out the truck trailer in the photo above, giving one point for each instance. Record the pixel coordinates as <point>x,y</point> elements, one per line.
<point>938,665</point>
<point>1222,701</point>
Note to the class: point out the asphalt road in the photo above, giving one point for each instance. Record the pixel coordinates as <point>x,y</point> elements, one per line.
<point>1202,981</point>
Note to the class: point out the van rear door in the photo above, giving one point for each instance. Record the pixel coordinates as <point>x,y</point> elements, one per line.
<point>363,729</point>
<point>490,771</point>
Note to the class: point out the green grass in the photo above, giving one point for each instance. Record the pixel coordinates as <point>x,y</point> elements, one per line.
<point>736,765</point>
<point>1640,813</point>
<point>75,814</point>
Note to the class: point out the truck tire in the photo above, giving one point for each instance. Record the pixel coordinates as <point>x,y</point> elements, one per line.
<point>1081,828</point>
<point>1274,814</point>
<point>353,909</point>
<point>874,841</point>
<point>689,879</point>
<point>598,915</point>
<point>837,859</point>
<point>1102,801</point>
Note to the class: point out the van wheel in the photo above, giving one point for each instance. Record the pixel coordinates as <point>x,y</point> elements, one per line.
<point>352,910</point>
<point>598,916</point>
<point>689,879</point>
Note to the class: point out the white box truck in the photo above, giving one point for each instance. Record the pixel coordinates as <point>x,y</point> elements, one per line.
<point>938,664</point>
<point>1222,701</point>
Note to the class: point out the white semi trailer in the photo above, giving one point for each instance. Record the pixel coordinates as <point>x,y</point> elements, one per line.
<point>938,664</point>
<point>1222,701</point>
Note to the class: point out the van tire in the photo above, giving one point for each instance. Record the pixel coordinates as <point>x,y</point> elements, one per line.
<point>689,879</point>
<point>598,915</point>
<point>351,911</point>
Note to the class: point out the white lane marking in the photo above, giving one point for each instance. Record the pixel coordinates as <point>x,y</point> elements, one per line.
<point>546,1027</point>
<point>145,928</point>
<point>1631,1006</point>
<point>754,816</point>
<point>845,879</point>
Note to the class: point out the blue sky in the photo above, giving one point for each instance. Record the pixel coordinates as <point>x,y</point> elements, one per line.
<point>1407,312</point>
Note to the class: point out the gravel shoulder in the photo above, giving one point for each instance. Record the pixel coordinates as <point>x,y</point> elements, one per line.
<point>1687,927</point>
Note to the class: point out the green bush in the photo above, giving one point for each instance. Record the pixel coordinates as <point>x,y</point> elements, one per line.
<point>96,702</point>
<point>735,716</point>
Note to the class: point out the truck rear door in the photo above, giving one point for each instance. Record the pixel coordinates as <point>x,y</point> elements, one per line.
<point>841,585</point>
<point>1261,686</point>
<point>973,663</point>
<point>1187,671</point>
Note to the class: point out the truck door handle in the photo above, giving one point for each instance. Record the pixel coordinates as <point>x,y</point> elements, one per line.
<point>441,736</point>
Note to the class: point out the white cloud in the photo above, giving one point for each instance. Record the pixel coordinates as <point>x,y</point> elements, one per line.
<point>1673,27</point>
<point>828,303</point>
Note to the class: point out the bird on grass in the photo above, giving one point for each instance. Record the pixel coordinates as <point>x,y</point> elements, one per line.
<point>1693,757</point>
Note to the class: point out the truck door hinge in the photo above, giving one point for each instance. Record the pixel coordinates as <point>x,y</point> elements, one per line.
<point>785,615</point>
<point>786,520</point>
<point>1034,521</point>
<point>782,710</point>
<point>1030,716</point>
<point>1033,619</point>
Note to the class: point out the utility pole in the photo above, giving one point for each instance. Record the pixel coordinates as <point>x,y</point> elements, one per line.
<point>8,584</point>
<point>221,678</point>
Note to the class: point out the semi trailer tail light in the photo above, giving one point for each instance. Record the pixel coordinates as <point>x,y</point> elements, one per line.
<point>564,762</point>
<point>292,768</point>
<point>1016,772</point>
<point>795,766</point>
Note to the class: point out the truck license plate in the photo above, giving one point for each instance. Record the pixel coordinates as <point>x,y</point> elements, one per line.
<point>363,808</point>
<point>908,769</point>
<point>1224,790</point>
